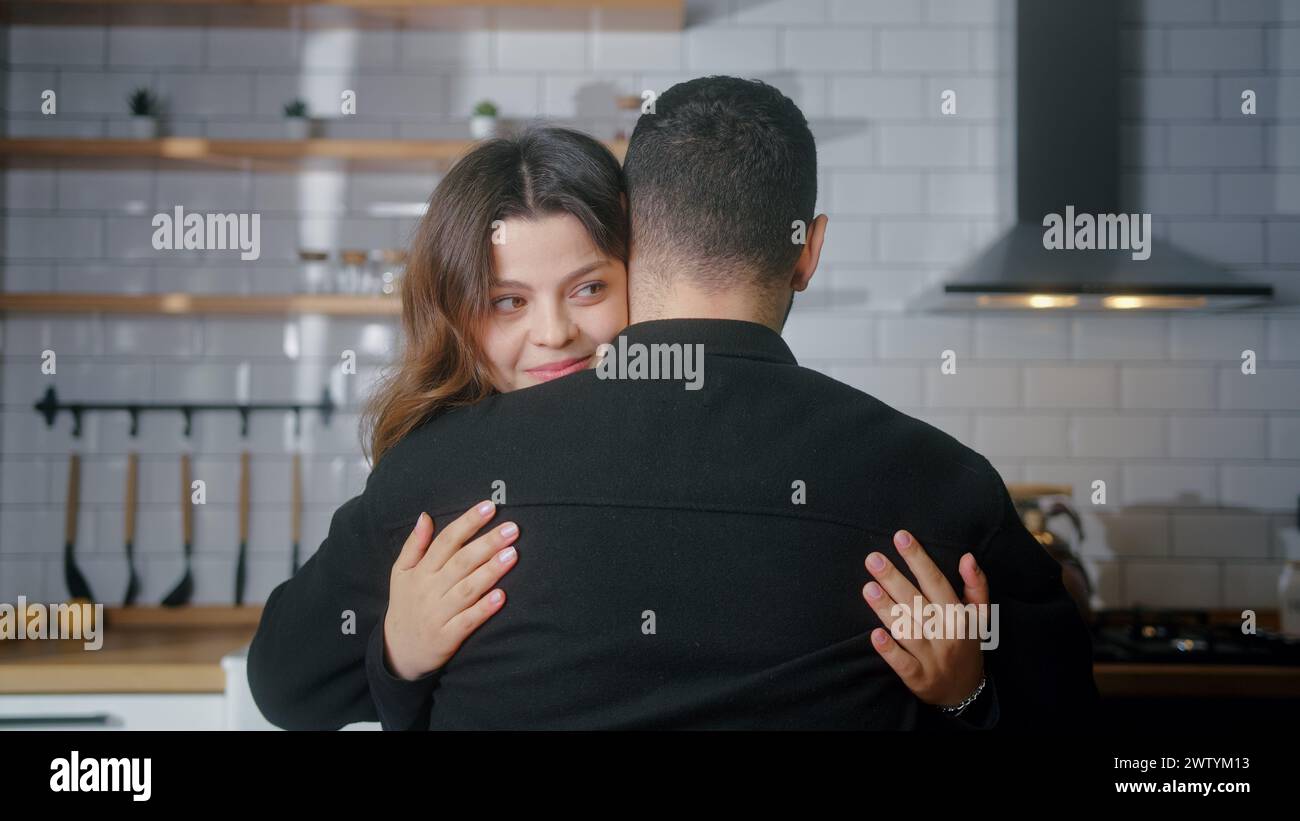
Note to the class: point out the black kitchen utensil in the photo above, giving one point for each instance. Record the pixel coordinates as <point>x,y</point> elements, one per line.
<point>76,582</point>
<point>132,580</point>
<point>295,509</point>
<point>181,594</point>
<point>241,566</point>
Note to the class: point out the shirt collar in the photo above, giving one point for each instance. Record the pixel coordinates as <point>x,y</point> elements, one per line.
<point>722,337</point>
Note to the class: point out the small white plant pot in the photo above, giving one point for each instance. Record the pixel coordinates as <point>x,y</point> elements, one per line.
<point>144,127</point>
<point>482,126</point>
<point>297,128</point>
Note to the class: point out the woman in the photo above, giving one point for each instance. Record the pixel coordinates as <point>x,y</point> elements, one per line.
<point>517,275</point>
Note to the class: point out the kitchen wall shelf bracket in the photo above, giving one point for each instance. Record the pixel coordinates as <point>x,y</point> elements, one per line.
<point>50,406</point>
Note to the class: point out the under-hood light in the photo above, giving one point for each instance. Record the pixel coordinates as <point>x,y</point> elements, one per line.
<point>1050,301</point>
<point>1026,301</point>
<point>1154,303</point>
<point>1037,300</point>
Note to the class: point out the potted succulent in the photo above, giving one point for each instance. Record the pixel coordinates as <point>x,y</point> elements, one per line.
<point>483,123</point>
<point>297,124</point>
<point>145,109</point>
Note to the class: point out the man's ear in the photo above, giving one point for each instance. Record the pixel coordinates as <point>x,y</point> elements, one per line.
<point>806,265</point>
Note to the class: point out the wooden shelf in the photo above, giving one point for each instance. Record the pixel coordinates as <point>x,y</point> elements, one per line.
<point>191,615</point>
<point>194,304</point>
<point>396,4</point>
<point>638,15</point>
<point>238,153</point>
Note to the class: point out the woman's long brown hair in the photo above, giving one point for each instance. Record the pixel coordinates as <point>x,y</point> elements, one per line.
<point>449,271</point>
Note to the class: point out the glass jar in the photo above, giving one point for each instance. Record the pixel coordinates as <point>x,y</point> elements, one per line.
<point>392,267</point>
<point>351,271</point>
<point>315,271</point>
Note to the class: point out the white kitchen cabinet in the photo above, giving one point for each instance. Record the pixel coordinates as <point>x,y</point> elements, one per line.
<point>231,709</point>
<point>123,711</point>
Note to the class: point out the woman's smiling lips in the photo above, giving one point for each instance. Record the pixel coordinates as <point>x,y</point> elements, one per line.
<point>563,367</point>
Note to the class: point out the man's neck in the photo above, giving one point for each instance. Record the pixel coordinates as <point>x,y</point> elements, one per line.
<point>683,301</point>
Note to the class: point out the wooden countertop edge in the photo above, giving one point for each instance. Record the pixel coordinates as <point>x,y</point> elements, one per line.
<point>1174,670</point>
<point>69,679</point>
<point>1113,679</point>
<point>1120,680</point>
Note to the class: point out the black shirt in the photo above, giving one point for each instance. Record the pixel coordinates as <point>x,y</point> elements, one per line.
<point>641,505</point>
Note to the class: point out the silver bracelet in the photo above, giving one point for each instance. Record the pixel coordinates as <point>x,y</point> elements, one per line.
<point>966,702</point>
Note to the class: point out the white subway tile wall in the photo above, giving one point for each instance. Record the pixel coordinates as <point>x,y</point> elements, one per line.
<point>1200,462</point>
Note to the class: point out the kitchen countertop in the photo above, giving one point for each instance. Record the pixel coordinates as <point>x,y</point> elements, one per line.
<point>1131,679</point>
<point>179,650</point>
<point>145,650</point>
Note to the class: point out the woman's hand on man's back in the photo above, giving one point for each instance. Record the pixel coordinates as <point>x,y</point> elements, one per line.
<point>441,589</point>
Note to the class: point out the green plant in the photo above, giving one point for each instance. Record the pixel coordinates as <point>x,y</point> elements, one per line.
<point>297,107</point>
<point>143,103</point>
<point>485,108</point>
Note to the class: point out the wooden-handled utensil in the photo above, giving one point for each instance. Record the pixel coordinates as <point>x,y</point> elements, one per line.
<point>181,594</point>
<point>132,580</point>
<point>241,566</point>
<point>76,582</point>
<point>295,509</point>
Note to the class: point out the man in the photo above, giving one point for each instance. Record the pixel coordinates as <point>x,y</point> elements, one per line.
<point>690,558</point>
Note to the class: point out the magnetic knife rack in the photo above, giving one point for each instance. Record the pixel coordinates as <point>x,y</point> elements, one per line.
<point>50,406</point>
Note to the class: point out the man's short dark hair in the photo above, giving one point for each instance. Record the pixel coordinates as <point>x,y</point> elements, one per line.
<point>716,177</point>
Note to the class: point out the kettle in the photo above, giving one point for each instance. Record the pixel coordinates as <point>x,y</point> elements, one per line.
<point>1037,505</point>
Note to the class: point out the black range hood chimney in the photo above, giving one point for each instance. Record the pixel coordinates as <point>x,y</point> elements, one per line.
<point>1068,162</point>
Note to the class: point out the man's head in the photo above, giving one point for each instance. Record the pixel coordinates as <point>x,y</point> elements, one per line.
<point>722,182</point>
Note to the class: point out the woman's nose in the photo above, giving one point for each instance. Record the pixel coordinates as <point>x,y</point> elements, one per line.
<point>555,329</point>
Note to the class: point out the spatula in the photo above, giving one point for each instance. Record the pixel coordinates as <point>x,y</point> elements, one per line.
<point>132,580</point>
<point>295,509</point>
<point>241,567</point>
<point>185,589</point>
<point>76,582</point>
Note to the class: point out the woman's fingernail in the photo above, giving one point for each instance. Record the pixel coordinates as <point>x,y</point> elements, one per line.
<point>509,529</point>
<point>485,508</point>
<point>902,540</point>
<point>873,590</point>
<point>496,596</point>
<point>876,561</point>
<point>506,555</point>
<point>419,521</point>
<point>878,636</point>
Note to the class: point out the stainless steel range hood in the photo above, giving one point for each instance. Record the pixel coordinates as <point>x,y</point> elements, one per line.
<point>1067,157</point>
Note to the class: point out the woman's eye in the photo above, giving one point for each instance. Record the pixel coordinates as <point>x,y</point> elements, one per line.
<point>590,289</point>
<point>508,304</point>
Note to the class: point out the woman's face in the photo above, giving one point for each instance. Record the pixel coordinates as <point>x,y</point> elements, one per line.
<point>556,299</point>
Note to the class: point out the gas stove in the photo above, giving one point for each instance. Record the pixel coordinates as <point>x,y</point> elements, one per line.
<point>1185,637</point>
